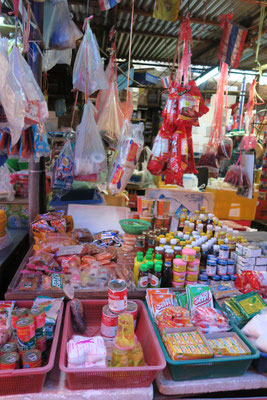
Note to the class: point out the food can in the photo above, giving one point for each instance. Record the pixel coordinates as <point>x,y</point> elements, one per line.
<point>32,359</point>
<point>41,343</point>
<point>132,309</point>
<point>26,334</point>
<point>9,361</point>
<point>109,322</point>
<point>16,315</point>
<point>9,347</point>
<point>38,314</point>
<point>145,206</point>
<point>117,295</point>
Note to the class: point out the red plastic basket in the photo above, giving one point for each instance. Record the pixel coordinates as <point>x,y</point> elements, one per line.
<point>19,381</point>
<point>106,378</point>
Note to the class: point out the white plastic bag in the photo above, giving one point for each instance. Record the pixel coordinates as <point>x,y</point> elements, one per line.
<point>36,110</point>
<point>61,32</point>
<point>90,156</point>
<point>53,57</point>
<point>11,96</point>
<point>126,156</point>
<point>88,72</point>
<point>7,191</point>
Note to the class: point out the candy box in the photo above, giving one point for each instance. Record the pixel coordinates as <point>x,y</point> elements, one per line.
<point>249,304</point>
<point>227,344</point>
<point>239,249</point>
<point>262,260</point>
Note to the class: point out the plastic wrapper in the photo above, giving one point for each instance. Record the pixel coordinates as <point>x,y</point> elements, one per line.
<point>88,72</point>
<point>36,109</point>
<point>191,105</point>
<point>63,171</point>
<point>209,320</point>
<point>126,156</point>
<point>237,177</point>
<point>90,156</point>
<point>61,32</point>
<point>175,169</point>
<point>86,352</point>
<point>249,304</point>
<point>160,154</point>
<point>53,57</point>
<point>6,188</point>
<point>249,142</point>
<point>224,149</point>
<point>169,112</point>
<point>41,146</point>
<point>77,315</point>
<point>208,158</point>
<point>12,97</point>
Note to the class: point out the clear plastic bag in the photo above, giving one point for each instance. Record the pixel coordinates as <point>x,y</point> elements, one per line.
<point>208,158</point>
<point>237,177</point>
<point>7,191</point>
<point>12,98</point>
<point>126,156</point>
<point>224,149</point>
<point>90,156</point>
<point>53,57</point>
<point>35,105</point>
<point>61,32</point>
<point>88,72</point>
<point>63,171</point>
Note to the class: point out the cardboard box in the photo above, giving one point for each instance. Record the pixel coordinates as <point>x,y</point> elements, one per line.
<point>251,251</point>
<point>239,249</point>
<point>260,268</point>
<point>241,268</point>
<point>262,260</point>
<point>246,261</point>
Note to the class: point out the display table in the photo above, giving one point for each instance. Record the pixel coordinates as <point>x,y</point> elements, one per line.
<point>251,380</point>
<point>54,389</point>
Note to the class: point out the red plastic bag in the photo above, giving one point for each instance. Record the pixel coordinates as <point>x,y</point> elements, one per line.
<point>208,158</point>
<point>160,154</point>
<point>237,177</point>
<point>224,149</point>
<point>169,112</point>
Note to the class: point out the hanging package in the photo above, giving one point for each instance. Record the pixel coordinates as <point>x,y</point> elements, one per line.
<point>12,98</point>
<point>35,105</point>
<point>90,157</point>
<point>63,171</point>
<point>41,146</point>
<point>61,32</point>
<point>224,149</point>
<point>88,72</point>
<point>126,156</point>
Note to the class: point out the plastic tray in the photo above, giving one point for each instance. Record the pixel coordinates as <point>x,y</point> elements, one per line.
<point>209,368</point>
<point>260,363</point>
<point>105,378</point>
<point>19,381</point>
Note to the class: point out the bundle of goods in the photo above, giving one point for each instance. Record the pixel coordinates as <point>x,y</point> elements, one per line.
<point>172,153</point>
<point>118,345</point>
<point>63,259</point>
<point>27,334</point>
<point>201,251</point>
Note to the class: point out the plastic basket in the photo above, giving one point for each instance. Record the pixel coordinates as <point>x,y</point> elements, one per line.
<point>19,381</point>
<point>134,226</point>
<point>209,368</point>
<point>107,378</point>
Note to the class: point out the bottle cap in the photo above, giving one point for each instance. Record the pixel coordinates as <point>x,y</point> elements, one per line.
<point>158,267</point>
<point>150,264</point>
<point>149,257</point>
<point>139,258</point>
<point>143,267</point>
<point>158,256</point>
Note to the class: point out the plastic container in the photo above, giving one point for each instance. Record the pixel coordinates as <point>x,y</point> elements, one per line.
<point>134,226</point>
<point>19,381</point>
<point>260,363</point>
<point>220,367</point>
<point>107,378</point>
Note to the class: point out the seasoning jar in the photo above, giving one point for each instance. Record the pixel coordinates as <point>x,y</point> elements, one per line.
<point>203,279</point>
<point>225,278</point>
<point>141,243</point>
<point>191,276</point>
<point>151,241</point>
<point>193,266</point>
<point>222,267</point>
<point>188,254</point>
<point>211,267</point>
<point>177,250</point>
<point>230,267</point>
<point>224,252</point>
<point>216,278</point>
<point>178,276</point>
<point>159,250</point>
<point>162,242</point>
<point>169,256</point>
<point>179,265</point>
<point>198,254</point>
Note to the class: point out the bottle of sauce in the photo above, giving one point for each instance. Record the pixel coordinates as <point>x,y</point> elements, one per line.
<point>155,280</point>
<point>137,265</point>
<point>162,242</point>
<point>158,257</point>
<point>151,241</point>
<point>166,279</point>
<point>168,256</point>
<point>143,277</point>
<point>173,242</point>
<point>141,243</point>
<point>139,253</point>
<point>209,230</point>
<point>183,217</point>
<point>150,267</point>
<point>159,250</point>
<point>203,258</point>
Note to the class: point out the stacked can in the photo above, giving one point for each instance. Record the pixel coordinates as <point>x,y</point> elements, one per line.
<point>117,304</point>
<point>223,262</point>
<point>26,334</point>
<point>178,273</point>
<point>15,316</point>
<point>38,314</point>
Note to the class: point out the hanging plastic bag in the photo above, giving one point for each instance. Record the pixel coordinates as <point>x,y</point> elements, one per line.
<point>53,57</point>
<point>63,171</point>
<point>175,172</point>
<point>11,96</point>
<point>6,188</point>
<point>169,112</point>
<point>35,105</point>
<point>224,149</point>
<point>160,154</point>
<point>90,156</point>
<point>126,156</point>
<point>41,146</point>
<point>88,72</point>
<point>237,177</point>
<point>61,32</point>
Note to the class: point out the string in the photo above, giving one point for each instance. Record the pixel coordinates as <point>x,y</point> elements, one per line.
<point>129,61</point>
<point>262,14</point>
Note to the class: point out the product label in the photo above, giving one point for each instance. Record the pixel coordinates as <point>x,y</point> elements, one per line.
<point>109,321</point>
<point>143,282</point>
<point>117,175</point>
<point>211,270</point>
<point>154,281</point>
<point>230,269</point>
<point>222,269</point>
<point>132,152</point>
<point>117,301</point>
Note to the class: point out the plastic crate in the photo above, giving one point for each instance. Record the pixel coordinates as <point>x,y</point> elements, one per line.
<point>107,378</point>
<point>209,367</point>
<point>19,381</point>
<point>260,364</point>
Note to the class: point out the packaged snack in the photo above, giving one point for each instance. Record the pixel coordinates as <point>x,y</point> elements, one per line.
<point>221,290</point>
<point>85,352</point>
<point>249,304</point>
<point>158,302</point>
<point>6,308</point>
<point>228,346</point>
<point>198,296</point>
<point>233,312</point>
<point>54,282</point>
<point>209,320</point>
<point>52,307</point>
<point>28,282</point>
<point>181,299</point>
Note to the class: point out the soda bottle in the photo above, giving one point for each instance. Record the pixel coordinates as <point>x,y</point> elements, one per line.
<point>137,264</point>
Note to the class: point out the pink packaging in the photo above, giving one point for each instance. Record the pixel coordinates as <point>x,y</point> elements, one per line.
<point>177,284</point>
<point>193,266</point>
<point>191,276</point>
<point>178,277</point>
<point>188,254</point>
<point>179,265</point>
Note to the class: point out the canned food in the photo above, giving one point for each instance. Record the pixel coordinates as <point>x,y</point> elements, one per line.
<point>109,322</point>
<point>211,268</point>
<point>16,315</point>
<point>132,308</point>
<point>9,348</point>
<point>9,361</point>
<point>41,344</point>
<point>117,295</point>
<point>32,359</point>
<point>38,314</point>
<point>26,334</point>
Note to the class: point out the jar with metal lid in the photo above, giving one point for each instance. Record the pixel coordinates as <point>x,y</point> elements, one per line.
<point>159,250</point>
<point>216,278</point>
<point>141,243</point>
<point>162,242</point>
<point>225,278</point>
<point>203,279</point>
<point>224,252</point>
<point>222,267</point>
<point>177,250</point>
<point>211,267</point>
<point>230,266</point>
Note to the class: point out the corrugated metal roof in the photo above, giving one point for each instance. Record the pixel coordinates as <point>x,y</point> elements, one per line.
<point>155,40</point>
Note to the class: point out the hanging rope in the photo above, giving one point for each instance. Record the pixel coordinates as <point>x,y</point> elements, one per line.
<point>129,62</point>
<point>262,15</point>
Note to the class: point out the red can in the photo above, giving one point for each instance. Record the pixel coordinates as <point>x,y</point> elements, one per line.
<point>117,295</point>
<point>109,323</point>
<point>32,359</point>
<point>9,361</point>
<point>132,309</point>
<point>41,344</point>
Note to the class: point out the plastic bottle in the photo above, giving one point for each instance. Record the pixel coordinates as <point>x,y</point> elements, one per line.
<point>166,276</point>
<point>148,257</point>
<point>155,278</point>
<point>143,277</point>
<point>150,267</point>
<point>183,217</point>
<point>137,265</point>
<point>139,253</point>
<point>203,258</point>
<point>158,257</point>
<point>162,242</point>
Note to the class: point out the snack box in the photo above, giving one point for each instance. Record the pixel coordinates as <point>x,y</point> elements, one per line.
<point>220,367</point>
<point>222,335</point>
<point>262,260</point>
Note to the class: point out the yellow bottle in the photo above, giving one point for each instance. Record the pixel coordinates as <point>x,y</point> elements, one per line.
<point>137,264</point>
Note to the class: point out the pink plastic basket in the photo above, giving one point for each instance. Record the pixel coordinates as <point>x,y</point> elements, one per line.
<point>19,381</point>
<point>106,378</point>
